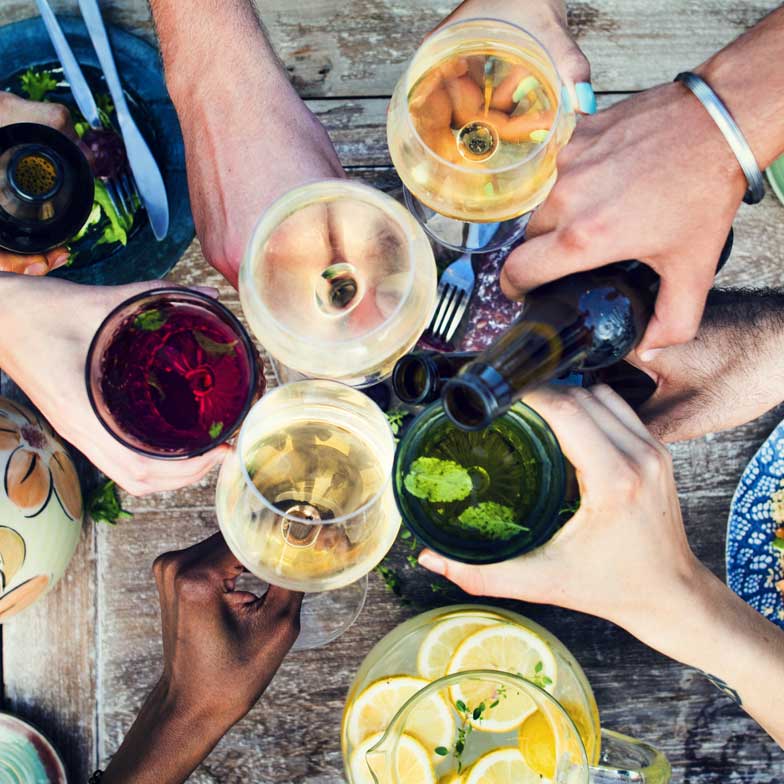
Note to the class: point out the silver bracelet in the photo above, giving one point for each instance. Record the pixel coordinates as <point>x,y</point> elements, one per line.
<point>731,132</point>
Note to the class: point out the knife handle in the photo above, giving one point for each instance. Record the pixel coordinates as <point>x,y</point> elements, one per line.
<point>100,40</point>
<point>73,73</point>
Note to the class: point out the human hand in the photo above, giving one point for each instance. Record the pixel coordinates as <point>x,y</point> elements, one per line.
<point>652,179</point>
<point>624,555</point>
<point>221,649</point>
<point>48,326</point>
<point>546,19</point>
<point>730,374</point>
<point>14,109</point>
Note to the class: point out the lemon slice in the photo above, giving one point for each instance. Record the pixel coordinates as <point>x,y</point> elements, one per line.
<point>507,648</point>
<point>411,766</point>
<point>439,645</point>
<point>503,766</point>
<point>537,744</point>
<point>432,722</point>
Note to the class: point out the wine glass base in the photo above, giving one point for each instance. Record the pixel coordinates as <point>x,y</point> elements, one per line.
<point>466,236</point>
<point>324,615</point>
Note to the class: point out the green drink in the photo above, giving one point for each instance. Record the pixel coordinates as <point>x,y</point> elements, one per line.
<point>481,496</point>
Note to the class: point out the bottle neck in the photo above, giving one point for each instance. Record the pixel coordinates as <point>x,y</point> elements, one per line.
<point>584,321</point>
<point>418,378</point>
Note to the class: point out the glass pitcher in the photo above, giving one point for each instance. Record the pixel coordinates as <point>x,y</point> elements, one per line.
<point>432,703</point>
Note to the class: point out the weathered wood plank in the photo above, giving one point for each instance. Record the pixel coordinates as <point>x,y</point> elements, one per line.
<point>360,47</point>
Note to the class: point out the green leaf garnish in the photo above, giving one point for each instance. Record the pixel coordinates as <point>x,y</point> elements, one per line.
<point>461,706</point>
<point>438,481</point>
<point>216,428</point>
<point>396,419</point>
<point>38,84</point>
<point>391,579</point>
<point>104,505</point>
<point>412,561</point>
<point>491,521</point>
<point>212,346</point>
<point>442,751</point>
<point>150,321</point>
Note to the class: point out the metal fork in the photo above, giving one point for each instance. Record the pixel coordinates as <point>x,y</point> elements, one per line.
<point>123,193</point>
<point>454,293</point>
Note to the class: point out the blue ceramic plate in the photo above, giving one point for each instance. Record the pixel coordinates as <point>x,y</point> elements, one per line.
<point>752,564</point>
<point>26,43</point>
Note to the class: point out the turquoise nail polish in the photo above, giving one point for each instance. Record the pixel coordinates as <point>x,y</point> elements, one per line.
<point>586,99</point>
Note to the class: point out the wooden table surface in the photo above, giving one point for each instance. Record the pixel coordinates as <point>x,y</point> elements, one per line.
<point>80,663</point>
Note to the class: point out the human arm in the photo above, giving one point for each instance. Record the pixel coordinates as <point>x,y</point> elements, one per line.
<point>14,109</point>
<point>652,178</point>
<point>730,374</point>
<point>248,136</point>
<point>624,556</point>
<point>221,649</point>
<point>46,327</point>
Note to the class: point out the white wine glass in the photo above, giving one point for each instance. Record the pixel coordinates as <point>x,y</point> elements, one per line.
<point>474,128</point>
<point>338,282</point>
<point>305,499</point>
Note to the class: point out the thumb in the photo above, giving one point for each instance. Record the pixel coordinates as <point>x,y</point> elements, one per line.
<point>679,306</point>
<point>545,258</point>
<point>493,580</point>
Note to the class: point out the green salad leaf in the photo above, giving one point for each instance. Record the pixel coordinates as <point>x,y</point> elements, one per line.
<point>119,226</point>
<point>104,505</point>
<point>150,320</point>
<point>491,520</point>
<point>38,84</point>
<point>93,218</point>
<point>438,481</point>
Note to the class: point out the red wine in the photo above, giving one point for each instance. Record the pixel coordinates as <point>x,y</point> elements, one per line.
<point>177,375</point>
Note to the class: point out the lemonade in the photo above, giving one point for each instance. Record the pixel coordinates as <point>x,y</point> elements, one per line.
<point>472,730</point>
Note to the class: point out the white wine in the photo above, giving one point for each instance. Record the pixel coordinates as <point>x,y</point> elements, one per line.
<point>338,282</point>
<point>305,501</point>
<point>476,124</point>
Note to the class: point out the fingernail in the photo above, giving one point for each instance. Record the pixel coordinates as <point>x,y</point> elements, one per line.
<point>650,354</point>
<point>59,260</point>
<point>586,98</point>
<point>39,268</point>
<point>432,562</point>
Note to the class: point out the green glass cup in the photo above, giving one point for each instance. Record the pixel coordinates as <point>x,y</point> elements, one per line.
<point>482,496</point>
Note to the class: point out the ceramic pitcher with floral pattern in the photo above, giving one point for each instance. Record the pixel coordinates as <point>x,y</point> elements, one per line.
<point>40,508</point>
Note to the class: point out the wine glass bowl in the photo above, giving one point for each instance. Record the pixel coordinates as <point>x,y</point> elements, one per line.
<point>305,500</point>
<point>338,281</point>
<point>171,373</point>
<point>474,128</point>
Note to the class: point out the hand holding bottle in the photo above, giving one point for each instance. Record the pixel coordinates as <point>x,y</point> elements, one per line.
<point>14,109</point>
<point>652,178</point>
<point>624,556</point>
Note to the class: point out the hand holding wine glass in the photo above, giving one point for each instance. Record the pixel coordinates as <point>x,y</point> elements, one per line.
<point>546,19</point>
<point>221,649</point>
<point>14,109</point>
<point>49,325</point>
<point>624,556</point>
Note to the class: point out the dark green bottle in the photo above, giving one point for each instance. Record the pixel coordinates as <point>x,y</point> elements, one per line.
<point>419,377</point>
<point>582,322</point>
<point>46,188</point>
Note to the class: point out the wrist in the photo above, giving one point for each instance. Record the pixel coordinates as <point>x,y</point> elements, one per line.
<point>714,155</point>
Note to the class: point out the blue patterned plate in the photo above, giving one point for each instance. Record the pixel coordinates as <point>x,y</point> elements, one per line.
<point>753,566</point>
<point>26,43</point>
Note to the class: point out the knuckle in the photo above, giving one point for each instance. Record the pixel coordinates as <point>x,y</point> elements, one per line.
<point>190,588</point>
<point>165,565</point>
<point>567,405</point>
<point>654,462</point>
<point>575,237</point>
<point>58,115</point>
<point>628,479</point>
